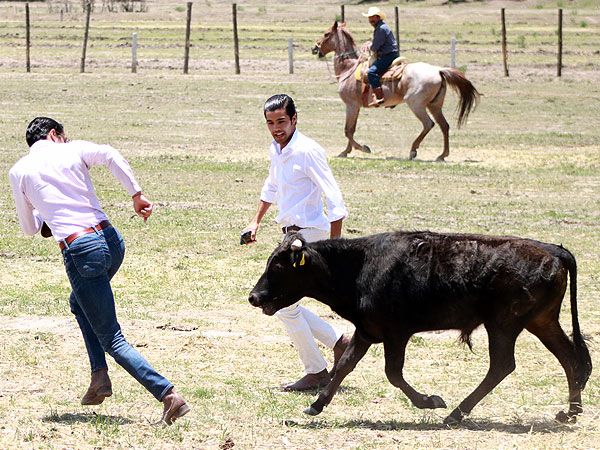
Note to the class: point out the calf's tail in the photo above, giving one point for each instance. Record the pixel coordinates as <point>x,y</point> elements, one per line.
<point>469,96</point>
<point>584,362</point>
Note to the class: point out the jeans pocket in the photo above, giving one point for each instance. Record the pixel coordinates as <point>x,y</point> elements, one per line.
<point>91,259</point>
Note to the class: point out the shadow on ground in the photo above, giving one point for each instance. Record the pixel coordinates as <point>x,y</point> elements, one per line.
<point>542,426</point>
<point>68,418</point>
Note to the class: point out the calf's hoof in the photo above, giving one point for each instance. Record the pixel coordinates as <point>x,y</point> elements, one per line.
<point>564,417</point>
<point>365,149</point>
<point>412,155</point>
<point>432,402</point>
<point>455,418</point>
<point>344,154</point>
<point>311,411</point>
<point>440,159</point>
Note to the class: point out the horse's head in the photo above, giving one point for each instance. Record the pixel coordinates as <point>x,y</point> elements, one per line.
<point>329,42</point>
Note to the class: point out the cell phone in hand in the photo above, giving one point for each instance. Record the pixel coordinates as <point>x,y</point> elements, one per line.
<point>246,238</point>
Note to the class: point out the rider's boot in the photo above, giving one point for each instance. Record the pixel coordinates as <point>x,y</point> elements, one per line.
<point>378,100</point>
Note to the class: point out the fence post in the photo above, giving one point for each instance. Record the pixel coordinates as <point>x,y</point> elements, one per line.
<point>453,52</point>
<point>188,28</point>
<point>559,63</point>
<point>504,42</point>
<point>88,5</point>
<point>134,53</point>
<point>397,28</point>
<point>291,54</point>
<point>27,38</point>
<point>236,44</point>
<point>343,13</point>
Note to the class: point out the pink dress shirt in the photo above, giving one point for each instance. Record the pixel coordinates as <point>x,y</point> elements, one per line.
<point>52,184</point>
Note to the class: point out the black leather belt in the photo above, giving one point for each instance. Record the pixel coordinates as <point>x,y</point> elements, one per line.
<point>67,241</point>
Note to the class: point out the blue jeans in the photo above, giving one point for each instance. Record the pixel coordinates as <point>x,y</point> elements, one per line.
<point>91,261</point>
<point>379,67</point>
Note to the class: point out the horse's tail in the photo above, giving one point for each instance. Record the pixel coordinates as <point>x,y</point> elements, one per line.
<point>469,96</point>
<point>582,355</point>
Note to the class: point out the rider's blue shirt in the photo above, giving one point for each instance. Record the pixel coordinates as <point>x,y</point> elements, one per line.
<point>384,41</point>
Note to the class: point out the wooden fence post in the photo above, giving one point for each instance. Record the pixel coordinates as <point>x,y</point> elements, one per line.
<point>397,28</point>
<point>504,42</point>
<point>188,30</point>
<point>343,13</point>
<point>291,54</point>
<point>559,63</point>
<point>134,53</point>
<point>235,39</point>
<point>27,38</point>
<point>88,5</point>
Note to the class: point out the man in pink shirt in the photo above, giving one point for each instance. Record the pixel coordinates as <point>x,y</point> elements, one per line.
<point>53,193</point>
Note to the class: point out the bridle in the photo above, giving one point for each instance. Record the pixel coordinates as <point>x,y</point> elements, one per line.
<point>319,52</point>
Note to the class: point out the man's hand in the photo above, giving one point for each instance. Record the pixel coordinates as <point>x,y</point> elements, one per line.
<point>142,206</point>
<point>252,228</point>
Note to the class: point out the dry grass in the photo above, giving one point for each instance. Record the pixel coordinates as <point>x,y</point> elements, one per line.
<point>527,164</point>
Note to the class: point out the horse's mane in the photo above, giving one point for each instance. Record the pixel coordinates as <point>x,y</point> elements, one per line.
<point>364,51</point>
<point>347,33</point>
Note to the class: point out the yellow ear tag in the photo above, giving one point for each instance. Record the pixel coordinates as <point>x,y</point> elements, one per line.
<point>302,261</point>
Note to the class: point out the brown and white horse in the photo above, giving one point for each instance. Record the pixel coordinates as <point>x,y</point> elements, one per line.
<point>422,87</point>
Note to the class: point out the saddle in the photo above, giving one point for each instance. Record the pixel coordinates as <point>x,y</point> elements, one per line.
<point>393,73</point>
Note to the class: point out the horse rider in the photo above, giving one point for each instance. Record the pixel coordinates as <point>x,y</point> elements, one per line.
<point>385,47</point>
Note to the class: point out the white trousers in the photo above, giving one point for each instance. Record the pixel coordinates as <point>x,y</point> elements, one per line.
<point>303,326</point>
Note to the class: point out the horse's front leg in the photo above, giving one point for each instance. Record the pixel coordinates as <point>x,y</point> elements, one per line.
<point>394,363</point>
<point>356,349</point>
<point>352,111</point>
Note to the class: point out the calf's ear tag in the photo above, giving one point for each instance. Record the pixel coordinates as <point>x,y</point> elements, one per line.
<point>302,261</point>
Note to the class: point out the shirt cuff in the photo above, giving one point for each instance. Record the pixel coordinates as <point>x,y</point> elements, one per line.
<point>268,197</point>
<point>337,214</point>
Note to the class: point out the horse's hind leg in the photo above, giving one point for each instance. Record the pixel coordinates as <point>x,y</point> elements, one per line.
<point>436,110</point>
<point>418,109</point>
<point>352,111</point>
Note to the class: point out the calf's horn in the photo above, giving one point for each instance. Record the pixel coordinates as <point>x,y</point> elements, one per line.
<point>297,245</point>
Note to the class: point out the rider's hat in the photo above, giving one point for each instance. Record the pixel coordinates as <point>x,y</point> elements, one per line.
<point>374,11</point>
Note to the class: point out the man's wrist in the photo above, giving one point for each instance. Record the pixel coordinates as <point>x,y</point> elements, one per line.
<point>137,194</point>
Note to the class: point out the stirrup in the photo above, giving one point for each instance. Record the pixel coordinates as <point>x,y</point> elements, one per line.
<point>377,103</point>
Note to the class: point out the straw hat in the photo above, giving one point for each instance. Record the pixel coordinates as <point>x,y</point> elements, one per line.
<point>374,11</point>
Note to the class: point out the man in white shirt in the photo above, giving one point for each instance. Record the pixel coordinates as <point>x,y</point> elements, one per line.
<point>52,188</point>
<point>298,178</point>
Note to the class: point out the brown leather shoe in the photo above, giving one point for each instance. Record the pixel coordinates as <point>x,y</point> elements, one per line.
<point>310,381</point>
<point>338,351</point>
<point>175,407</point>
<point>100,388</point>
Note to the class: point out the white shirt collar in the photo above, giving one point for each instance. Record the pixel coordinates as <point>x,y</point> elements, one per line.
<point>290,145</point>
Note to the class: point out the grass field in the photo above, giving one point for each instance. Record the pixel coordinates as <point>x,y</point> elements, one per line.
<point>527,164</point>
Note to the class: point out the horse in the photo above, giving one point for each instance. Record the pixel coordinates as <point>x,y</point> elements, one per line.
<point>422,87</point>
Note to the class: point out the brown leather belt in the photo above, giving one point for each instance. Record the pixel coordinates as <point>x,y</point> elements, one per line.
<point>67,241</point>
<point>291,228</point>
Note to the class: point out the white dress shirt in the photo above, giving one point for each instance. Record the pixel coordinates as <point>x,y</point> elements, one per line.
<point>298,178</point>
<point>52,184</point>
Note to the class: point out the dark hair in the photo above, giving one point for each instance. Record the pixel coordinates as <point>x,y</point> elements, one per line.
<point>280,101</point>
<point>39,128</point>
